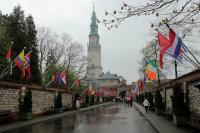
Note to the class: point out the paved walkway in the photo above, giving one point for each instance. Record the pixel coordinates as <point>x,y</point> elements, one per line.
<point>19,124</point>
<point>116,118</point>
<point>161,124</point>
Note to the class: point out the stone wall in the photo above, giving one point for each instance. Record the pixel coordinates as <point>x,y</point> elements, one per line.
<point>42,101</point>
<point>188,81</point>
<point>9,99</point>
<point>194,99</point>
<point>67,100</point>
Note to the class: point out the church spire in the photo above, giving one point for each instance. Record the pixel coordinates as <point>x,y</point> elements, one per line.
<point>93,25</point>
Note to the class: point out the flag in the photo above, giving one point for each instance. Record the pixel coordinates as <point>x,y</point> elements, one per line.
<point>58,77</point>
<point>20,62</point>
<point>140,85</point>
<point>176,50</point>
<point>78,82</point>
<point>54,74</point>
<point>8,57</point>
<point>150,65</point>
<point>151,75</point>
<point>27,65</point>
<point>63,77</point>
<point>8,54</point>
<point>164,45</point>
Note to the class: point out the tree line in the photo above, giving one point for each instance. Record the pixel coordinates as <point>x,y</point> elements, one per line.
<point>49,51</point>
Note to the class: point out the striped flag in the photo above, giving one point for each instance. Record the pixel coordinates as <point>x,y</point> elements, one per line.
<point>27,65</point>
<point>176,50</point>
<point>20,62</point>
<point>63,77</point>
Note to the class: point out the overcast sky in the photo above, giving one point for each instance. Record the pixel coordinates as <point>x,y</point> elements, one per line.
<point>120,47</point>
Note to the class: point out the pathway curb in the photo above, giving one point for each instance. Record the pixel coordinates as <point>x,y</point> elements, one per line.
<point>20,124</point>
<point>159,123</point>
<point>157,130</point>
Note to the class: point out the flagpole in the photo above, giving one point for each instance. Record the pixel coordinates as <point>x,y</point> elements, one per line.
<point>175,63</point>
<point>2,75</point>
<point>175,67</point>
<point>10,68</point>
<point>191,54</point>
<point>190,60</point>
<point>5,70</point>
<point>186,48</point>
<point>10,62</point>
<point>157,65</point>
<point>71,86</point>
<point>49,83</point>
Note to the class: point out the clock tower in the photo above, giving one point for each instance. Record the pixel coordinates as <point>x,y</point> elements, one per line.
<point>94,68</point>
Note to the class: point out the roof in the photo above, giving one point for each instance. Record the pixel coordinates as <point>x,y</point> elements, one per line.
<point>108,75</point>
<point>120,77</point>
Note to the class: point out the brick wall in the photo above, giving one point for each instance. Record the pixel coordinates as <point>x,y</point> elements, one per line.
<point>67,100</point>
<point>42,101</point>
<point>9,99</point>
<point>194,99</point>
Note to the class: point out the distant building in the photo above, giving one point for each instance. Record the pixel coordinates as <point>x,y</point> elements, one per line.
<point>94,68</point>
<point>109,79</point>
<point>94,75</point>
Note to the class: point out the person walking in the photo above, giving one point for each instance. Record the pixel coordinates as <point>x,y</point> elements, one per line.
<point>77,103</point>
<point>128,100</point>
<point>131,101</point>
<point>146,104</point>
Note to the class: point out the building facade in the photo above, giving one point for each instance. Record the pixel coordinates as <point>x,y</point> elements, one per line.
<point>94,68</point>
<point>94,75</point>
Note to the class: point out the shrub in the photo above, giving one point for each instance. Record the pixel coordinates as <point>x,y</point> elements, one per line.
<point>150,99</point>
<point>179,107</point>
<point>58,101</point>
<point>158,100</point>
<point>26,104</point>
<point>87,99</point>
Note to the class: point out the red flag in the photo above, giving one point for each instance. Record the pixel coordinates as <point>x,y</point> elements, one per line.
<point>8,55</point>
<point>140,85</point>
<point>78,82</point>
<point>63,77</point>
<point>164,44</point>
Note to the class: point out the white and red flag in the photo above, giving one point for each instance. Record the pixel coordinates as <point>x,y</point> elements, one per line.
<point>63,77</point>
